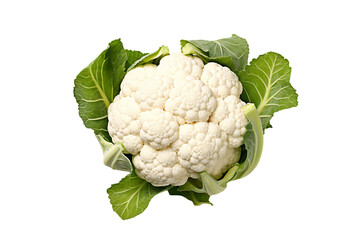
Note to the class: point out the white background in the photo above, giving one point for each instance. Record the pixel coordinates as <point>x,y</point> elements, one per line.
<point>53,182</point>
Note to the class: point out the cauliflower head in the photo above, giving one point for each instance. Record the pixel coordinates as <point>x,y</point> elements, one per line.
<point>178,119</point>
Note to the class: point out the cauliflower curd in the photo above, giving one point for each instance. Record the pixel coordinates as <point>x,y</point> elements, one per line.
<point>178,119</point>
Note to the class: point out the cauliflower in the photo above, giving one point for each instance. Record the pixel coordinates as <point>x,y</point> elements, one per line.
<point>160,166</point>
<point>178,119</point>
<point>134,79</point>
<point>232,156</point>
<point>158,128</point>
<point>231,119</point>
<point>124,123</point>
<point>222,81</point>
<point>191,100</point>
<point>199,146</point>
<point>179,66</point>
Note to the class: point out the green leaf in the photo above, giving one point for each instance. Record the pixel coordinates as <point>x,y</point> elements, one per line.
<point>196,198</point>
<point>118,58</point>
<point>114,156</point>
<point>91,96</point>
<point>154,57</point>
<point>132,195</point>
<point>132,57</point>
<point>266,83</point>
<point>97,85</point>
<point>207,184</point>
<point>253,140</point>
<point>232,52</point>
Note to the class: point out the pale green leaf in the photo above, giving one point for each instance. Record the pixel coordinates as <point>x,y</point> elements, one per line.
<point>114,156</point>
<point>253,141</point>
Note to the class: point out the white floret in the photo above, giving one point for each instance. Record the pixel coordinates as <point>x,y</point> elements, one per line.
<point>179,66</point>
<point>158,128</point>
<point>135,78</point>
<point>222,81</point>
<point>124,123</point>
<point>178,119</point>
<point>231,119</point>
<point>232,155</point>
<point>191,100</point>
<point>199,146</point>
<point>154,93</point>
<point>160,167</point>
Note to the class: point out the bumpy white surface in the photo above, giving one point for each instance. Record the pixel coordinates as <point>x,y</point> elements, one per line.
<point>154,93</point>
<point>200,145</point>
<point>178,119</point>
<point>231,156</point>
<point>231,119</point>
<point>134,79</point>
<point>160,167</point>
<point>191,100</point>
<point>179,66</point>
<point>158,128</point>
<point>222,81</point>
<point>124,123</point>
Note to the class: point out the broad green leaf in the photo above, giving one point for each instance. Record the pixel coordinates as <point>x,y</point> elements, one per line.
<point>118,58</point>
<point>114,156</point>
<point>132,195</point>
<point>232,52</point>
<point>91,96</point>
<point>253,140</point>
<point>154,57</point>
<point>196,198</point>
<point>97,85</point>
<point>266,83</point>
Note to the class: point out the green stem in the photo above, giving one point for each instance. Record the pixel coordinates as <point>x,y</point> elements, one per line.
<point>189,49</point>
<point>253,116</point>
<point>154,57</point>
